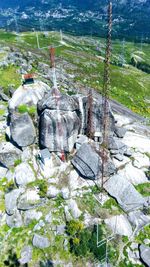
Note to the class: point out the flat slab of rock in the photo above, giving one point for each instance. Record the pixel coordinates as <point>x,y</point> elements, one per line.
<point>145,254</point>
<point>22,129</point>
<point>8,154</point>
<point>124,192</point>
<point>87,162</point>
<point>40,241</point>
<point>119,225</point>
<point>138,141</point>
<point>23,174</point>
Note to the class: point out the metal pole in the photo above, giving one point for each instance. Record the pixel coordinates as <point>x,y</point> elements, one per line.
<point>105,94</point>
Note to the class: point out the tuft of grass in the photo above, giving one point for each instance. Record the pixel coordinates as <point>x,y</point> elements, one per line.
<point>143,189</point>
<point>9,76</point>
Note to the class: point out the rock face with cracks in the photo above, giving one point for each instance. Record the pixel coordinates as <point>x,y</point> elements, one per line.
<point>58,130</point>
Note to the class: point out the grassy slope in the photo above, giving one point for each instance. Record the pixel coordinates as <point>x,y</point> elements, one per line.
<point>129,85</point>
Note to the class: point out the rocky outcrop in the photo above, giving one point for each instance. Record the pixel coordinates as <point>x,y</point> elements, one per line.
<point>58,130</point>
<point>124,192</point>
<point>22,129</point>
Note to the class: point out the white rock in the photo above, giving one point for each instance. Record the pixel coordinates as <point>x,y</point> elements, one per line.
<point>10,176</point>
<point>73,207</point>
<point>133,175</point>
<point>135,140</point>
<point>23,174</point>
<point>119,164</point>
<point>3,172</point>
<point>30,215</point>
<point>119,225</point>
<point>122,120</point>
<point>89,220</point>
<point>141,160</point>
<point>65,192</point>
<point>52,191</point>
<point>76,182</point>
<point>26,154</point>
<point>28,94</point>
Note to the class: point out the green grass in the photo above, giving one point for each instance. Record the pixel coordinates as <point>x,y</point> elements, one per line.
<point>143,189</point>
<point>9,76</point>
<point>129,85</point>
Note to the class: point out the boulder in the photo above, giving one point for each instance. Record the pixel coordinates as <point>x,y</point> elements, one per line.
<point>65,102</point>
<point>138,219</point>
<point>8,154</point>
<point>120,131</point>
<point>81,139</point>
<point>58,130</point>
<point>87,162</point>
<point>40,241</point>
<point>144,254</point>
<point>30,215</point>
<point>22,129</point>
<point>114,144</point>
<point>52,191</point>
<point>133,175</point>
<point>73,208</point>
<point>4,97</point>
<point>26,255</point>
<point>124,192</point>
<point>23,174</point>
<point>11,200</point>
<point>29,200</point>
<point>119,225</point>
<point>14,220</point>
<point>28,94</point>
<point>140,160</point>
<point>3,172</point>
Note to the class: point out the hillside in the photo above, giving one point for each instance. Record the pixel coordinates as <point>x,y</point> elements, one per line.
<point>130,18</point>
<point>56,209</point>
<point>80,65</point>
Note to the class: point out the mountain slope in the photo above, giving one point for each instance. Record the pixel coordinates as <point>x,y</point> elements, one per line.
<point>131,18</point>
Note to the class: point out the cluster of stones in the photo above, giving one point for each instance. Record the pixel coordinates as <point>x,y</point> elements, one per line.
<point>23,132</point>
